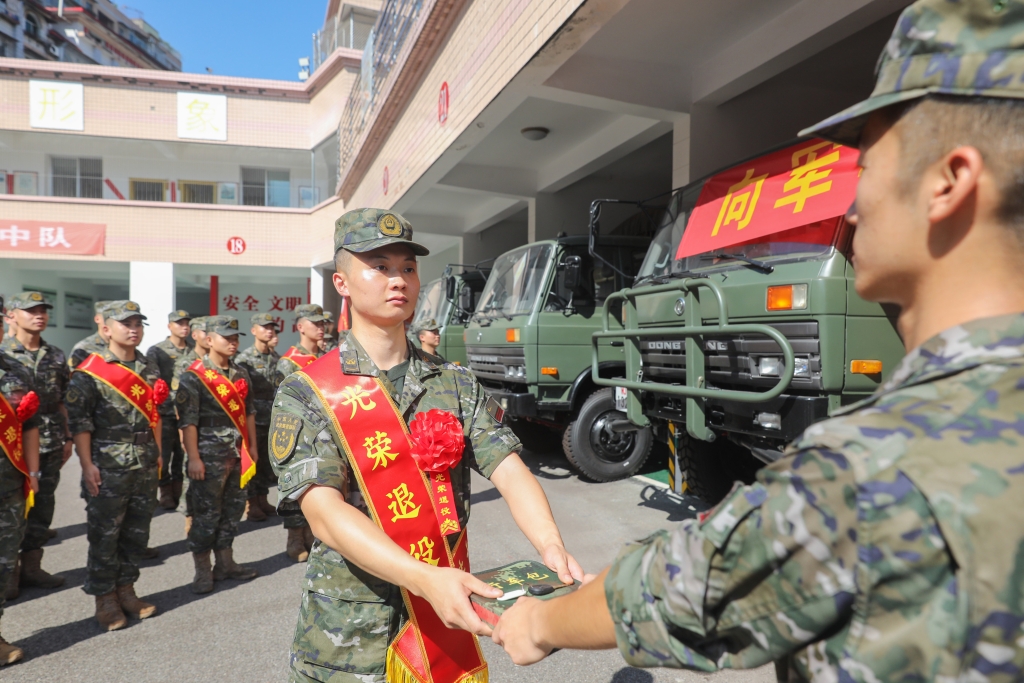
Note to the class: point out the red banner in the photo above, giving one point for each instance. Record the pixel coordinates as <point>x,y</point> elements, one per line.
<point>52,237</point>
<point>800,185</point>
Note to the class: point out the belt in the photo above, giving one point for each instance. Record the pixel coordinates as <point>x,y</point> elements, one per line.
<point>215,422</point>
<point>113,436</point>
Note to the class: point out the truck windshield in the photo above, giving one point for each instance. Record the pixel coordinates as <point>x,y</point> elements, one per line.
<point>809,241</point>
<point>515,282</point>
<point>432,303</point>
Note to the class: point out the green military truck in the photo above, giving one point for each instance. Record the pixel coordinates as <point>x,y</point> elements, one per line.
<point>450,301</point>
<point>732,352</point>
<point>528,343</point>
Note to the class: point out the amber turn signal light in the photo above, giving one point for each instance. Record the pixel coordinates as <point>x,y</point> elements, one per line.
<point>552,372</point>
<point>512,334</point>
<point>866,367</point>
<point>786,298</point>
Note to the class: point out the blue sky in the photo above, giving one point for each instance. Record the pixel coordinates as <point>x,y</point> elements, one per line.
<point>252,38</point>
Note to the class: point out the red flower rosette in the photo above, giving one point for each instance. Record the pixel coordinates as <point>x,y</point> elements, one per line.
<point>160,391</point>
<point>437,440</point>
<point>242,387</point>
<point>28,406</point>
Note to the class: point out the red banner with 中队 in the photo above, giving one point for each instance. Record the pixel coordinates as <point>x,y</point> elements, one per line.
<point>52,237</point>
<point>797,186</point>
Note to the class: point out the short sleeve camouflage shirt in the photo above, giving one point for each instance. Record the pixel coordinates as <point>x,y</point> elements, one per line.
<point>262,368</point>
<point>15,382</point>
<point>166,355</point>
<point>884,546</point>
<point>218,438</point>
<point>50,375</point>
<point>94,343</point>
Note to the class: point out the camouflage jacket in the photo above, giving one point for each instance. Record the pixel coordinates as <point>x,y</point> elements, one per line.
<point>286,367</point>
<point>262,369</point>
<point>315,457</point>
<point>181,365</point>
<point>195,404</point>
<point>96,407</point>
<point>50,376</point>
<point>884,546</point>
<point>94,343</point>
<point>166,356</point>
<point>15,382</point>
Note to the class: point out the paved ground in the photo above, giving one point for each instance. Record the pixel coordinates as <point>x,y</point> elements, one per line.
<point>242,632</point>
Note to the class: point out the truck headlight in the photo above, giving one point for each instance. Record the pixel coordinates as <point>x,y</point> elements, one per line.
<point>768,420</point>
<point>515,371</point>
<point>801,367</point>
<point>769,366</point>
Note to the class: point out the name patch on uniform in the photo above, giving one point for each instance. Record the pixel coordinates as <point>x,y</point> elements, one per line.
<point>284,435</point>
<point>493,409</point>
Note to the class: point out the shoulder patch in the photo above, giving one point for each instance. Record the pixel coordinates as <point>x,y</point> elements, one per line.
<point>284,435</point>
<point>494,409</point>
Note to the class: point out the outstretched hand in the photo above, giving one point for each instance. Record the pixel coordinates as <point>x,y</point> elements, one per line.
<point>448,590</point>
<point>558,560</point>
<point>517,632</point>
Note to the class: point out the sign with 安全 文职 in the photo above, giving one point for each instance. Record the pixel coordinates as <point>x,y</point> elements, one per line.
<point>202,116</point>
<point>56,105</point>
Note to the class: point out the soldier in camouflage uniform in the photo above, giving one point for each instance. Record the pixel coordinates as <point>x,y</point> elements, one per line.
<point>166,354</point>
<point>885,544</point>
<point>260,361</point>
<point>120,456</point>
<point>427,332</point>
<point>95,342</point>
<point>49,370</point>
<point>310,321</point>
<point>212,444</point>
<point>15,383</point>
<point>352,607</point>
<point>197,326</point>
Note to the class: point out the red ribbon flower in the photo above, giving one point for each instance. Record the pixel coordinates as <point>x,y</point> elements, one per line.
<point>28,406</point>
<point>242,387</point>
<point>437,440</point>
<point>160,391</point>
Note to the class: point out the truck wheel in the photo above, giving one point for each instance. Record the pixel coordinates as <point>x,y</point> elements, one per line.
<point>711,469</point>
<point>535,437</point>
<point>599,453</point>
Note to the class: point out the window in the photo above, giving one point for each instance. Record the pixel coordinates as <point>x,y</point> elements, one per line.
<point>31,25</point>
<point>74,177</point>
<point>147,190</point>
<point>261,187</point>
<point>198,192</point>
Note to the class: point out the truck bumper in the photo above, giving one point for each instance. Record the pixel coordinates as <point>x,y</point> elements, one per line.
<point>792,414</point>
<point>515,405</point>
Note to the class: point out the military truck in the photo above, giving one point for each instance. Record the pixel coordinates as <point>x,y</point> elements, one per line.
<point>450,301</point>
<point>528,343</point>
<point>734,346</point>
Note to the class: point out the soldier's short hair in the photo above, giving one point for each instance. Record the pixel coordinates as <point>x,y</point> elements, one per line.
<point>931,127</point>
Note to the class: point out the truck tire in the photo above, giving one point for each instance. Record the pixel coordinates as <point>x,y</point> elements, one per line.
<point>598,453</point>
<point>711,469</point>
<point>535,437</point>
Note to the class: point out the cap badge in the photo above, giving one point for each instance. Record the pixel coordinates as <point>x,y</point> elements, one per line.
<point>389,225</point>
<point>233,324</point>
<point>36,296</point>
<point>131,306</point>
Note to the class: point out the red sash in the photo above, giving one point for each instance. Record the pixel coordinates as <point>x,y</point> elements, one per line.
<point>129,384</point>
<point>298,357</point>
<point>375,438</point>
<point>10,443</point>
<point>226,396</point>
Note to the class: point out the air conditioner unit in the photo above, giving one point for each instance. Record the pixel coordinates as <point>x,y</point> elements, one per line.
<point>52,49</point>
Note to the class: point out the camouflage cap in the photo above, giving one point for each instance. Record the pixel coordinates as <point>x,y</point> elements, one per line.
<point>967,48</point>
<point>178,316</point>
<point>198,323</point>
<point>364,230</point>
<point>263,319</point>
<point>311,312</point>
<point>99,306</point>
<point>26,300</point>
<point>425,325</point>
<point>122,310</point>
<point>224,325</point>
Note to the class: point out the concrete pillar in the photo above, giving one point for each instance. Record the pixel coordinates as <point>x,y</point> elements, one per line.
<point>316,286</point>
<point>151,286</point>
<point>681,153</point>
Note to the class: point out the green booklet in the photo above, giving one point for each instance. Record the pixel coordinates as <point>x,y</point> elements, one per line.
<point>524,578</point>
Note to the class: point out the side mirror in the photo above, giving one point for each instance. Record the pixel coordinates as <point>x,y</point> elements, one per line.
<point>573,267</point>
<point>449,288</point>
<point>466,298</point>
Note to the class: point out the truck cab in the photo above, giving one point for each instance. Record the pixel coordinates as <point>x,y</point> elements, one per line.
<point>732,352</point>
<point>528,343</point>
<point>450,301</point>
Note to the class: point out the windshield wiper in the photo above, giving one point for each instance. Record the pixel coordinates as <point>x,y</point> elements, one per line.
<point>496,310</point>
<point>661,279</point>
<point>761,265</point>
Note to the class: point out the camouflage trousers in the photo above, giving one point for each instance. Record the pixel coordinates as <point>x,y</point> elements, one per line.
<point>12,529</point>
<point>171,451</point>
<point>118,527</point>
<point>264,478</point>
<point>347,620</point>
<point>41,515</point>
<point>218,502</point>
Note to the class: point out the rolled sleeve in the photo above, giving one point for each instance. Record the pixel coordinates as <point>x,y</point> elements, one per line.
<point>186,400</point>
<point>767,571</point>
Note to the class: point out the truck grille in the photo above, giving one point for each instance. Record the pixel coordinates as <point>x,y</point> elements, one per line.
<point>489,362</point>
<point>733,361</point>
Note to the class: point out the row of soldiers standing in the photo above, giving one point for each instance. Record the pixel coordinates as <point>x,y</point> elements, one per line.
<point>132,458</point>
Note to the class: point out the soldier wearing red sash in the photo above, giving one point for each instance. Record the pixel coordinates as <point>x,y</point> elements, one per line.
<point>311,323</point>
<point>218,429</point>
<point>197,326</point>
<point>112,405</point>
<point>376,441</point>
<point>19,462</point>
